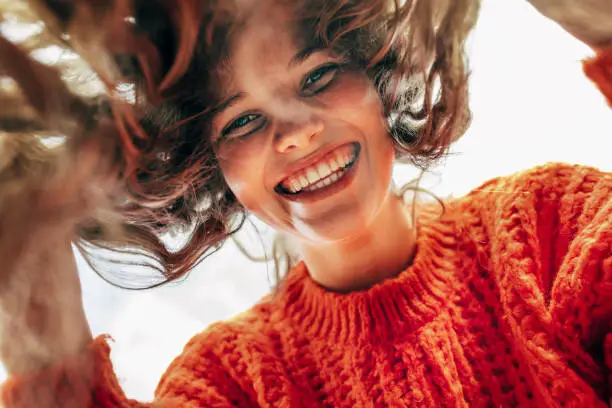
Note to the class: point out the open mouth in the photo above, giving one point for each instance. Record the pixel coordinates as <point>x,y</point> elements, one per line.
<point>327,172</point>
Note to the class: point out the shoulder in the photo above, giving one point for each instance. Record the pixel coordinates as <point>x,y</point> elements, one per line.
<point>535,223</point>
<point>561,178</point>
<point>248,327</point>
<point>524,223</point>
<point>550,183</point>
<point>554,199</point>
<point>221,358</point>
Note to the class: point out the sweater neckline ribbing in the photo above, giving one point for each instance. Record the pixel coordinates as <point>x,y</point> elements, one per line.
<point>397,305</point>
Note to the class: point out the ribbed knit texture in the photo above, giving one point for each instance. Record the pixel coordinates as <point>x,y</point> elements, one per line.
<point>508,302</point>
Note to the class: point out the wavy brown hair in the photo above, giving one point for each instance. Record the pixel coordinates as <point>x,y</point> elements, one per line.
<point>158,61</point>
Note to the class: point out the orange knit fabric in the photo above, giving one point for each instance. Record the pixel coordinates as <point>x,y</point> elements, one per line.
<point>508,303</point>
<point>599,69</point>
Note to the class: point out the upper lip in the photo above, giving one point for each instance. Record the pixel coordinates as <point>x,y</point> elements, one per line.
<point>308,161</point>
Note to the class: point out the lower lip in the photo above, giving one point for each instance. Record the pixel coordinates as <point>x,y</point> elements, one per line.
<point>322,193</point>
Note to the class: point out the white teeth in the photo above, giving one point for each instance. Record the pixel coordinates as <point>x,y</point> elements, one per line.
<point>323,170</point>
<point>333,164</point>
<point>303,181</point>
<point>326,182</point>
<point>295,185</point>
<point>312,175</point>
<point>321,175</point>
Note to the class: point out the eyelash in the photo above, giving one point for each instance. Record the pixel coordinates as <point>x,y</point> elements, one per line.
<point>320,71</point>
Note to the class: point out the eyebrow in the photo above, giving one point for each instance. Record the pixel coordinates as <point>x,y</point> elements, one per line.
<point>303,55</point>
<point>226,104</point>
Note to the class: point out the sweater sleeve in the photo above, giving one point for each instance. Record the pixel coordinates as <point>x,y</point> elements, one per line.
<point>580,254</point>
<point>599,70</point>
<point>579,261</point>
<point>194,379</point>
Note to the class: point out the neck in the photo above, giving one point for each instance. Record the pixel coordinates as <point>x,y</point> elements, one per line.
<point>382,251</point>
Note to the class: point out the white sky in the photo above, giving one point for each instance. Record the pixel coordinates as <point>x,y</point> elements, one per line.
<point>531,105</point>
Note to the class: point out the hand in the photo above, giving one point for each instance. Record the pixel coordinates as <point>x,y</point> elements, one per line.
<point>42,320</point>
<point>43,197</point>
<point>590,21</point>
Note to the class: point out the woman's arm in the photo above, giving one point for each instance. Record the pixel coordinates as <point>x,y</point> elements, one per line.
<point>581,282</point>
<point>599,70</point>
<point>590,21</point>
<point>551,239</point>
<point>45,340</point>
<point>47,198</point>
<point>195,379</point>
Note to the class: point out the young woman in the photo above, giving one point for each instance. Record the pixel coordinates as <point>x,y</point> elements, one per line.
<point>295,112</point>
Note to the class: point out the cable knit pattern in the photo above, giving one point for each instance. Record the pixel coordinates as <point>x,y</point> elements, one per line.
<point>508,302</point>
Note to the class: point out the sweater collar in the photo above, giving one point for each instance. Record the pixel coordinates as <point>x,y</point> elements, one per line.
<point>395,306</point>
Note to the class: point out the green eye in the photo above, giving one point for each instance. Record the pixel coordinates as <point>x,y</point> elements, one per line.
<point>242,121</point>
<point>319,79</point>
<point>244,125</point>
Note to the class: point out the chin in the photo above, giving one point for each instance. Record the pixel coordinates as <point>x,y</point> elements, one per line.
<point>343,225</point>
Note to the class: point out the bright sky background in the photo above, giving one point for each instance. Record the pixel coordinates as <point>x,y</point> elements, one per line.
<point>531,105</point>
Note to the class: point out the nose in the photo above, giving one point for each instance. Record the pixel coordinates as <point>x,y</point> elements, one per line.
<point>297,134</point>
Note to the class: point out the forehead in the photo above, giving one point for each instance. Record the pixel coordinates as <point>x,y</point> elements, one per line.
<point>266,39</point>
<point>269,33</point>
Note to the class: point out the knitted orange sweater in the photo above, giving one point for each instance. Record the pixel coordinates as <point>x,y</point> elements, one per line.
<point>508,303</point>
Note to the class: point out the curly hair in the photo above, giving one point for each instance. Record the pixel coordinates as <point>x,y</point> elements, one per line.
<point>159,60</point>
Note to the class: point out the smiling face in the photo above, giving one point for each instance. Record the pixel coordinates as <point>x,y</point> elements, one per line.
<point>300,135</point>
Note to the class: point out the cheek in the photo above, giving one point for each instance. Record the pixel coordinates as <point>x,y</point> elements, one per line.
<point>383,159</point>
<point>357,103</point>
<point>356,97</point>
<point>367,113</point>
<point>240,183</point>
<point>244,178</point>
<point>360,105</point>
<point>256,200</point>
